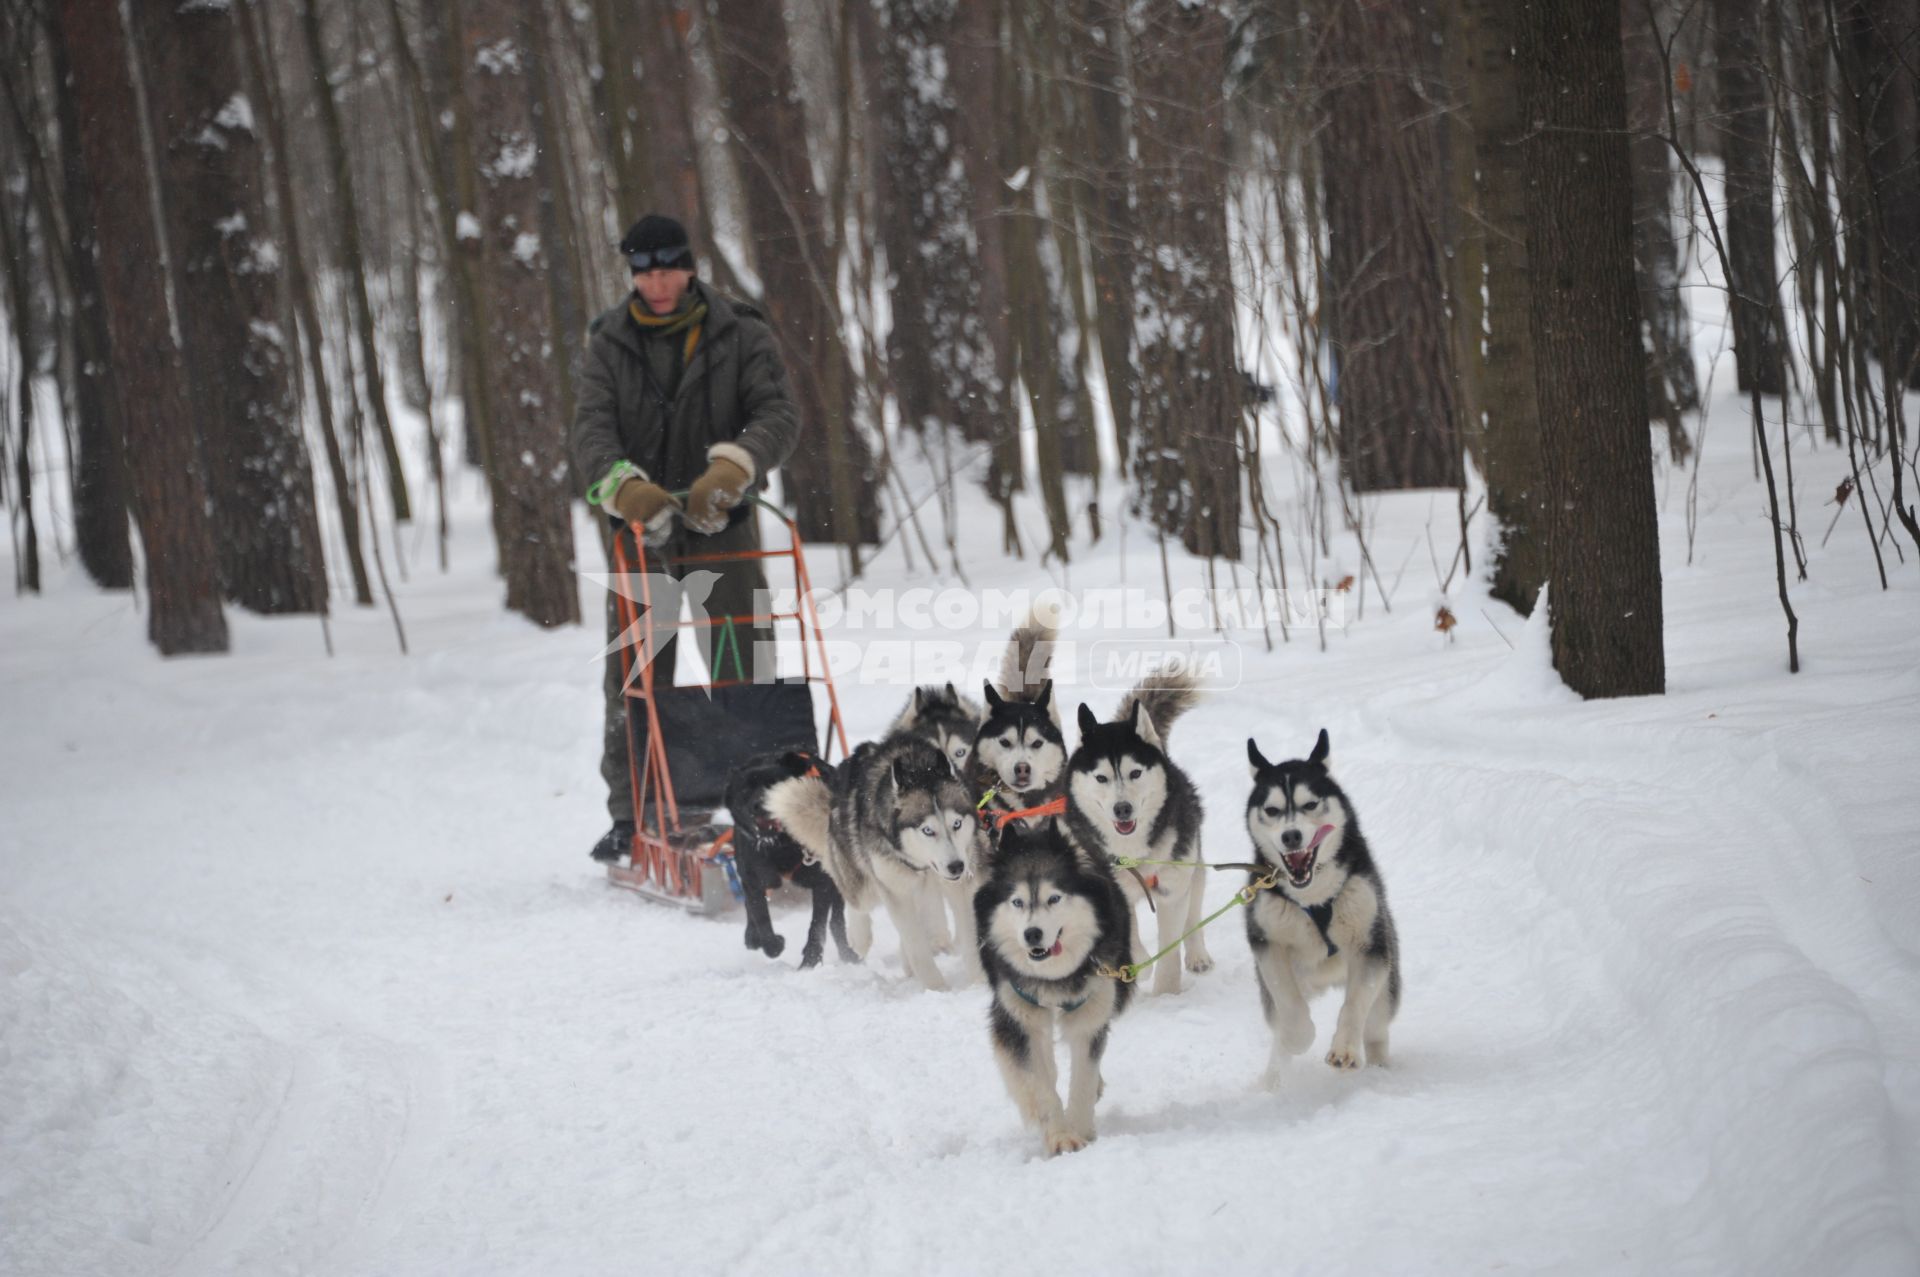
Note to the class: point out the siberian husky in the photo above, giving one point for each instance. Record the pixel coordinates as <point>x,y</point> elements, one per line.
<point>1125,797</point>
<point>895,823</point>
<point>1049,920</point>
<point>1325,922</point>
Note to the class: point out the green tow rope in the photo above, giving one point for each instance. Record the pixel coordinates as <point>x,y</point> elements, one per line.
<point>1127,973</point>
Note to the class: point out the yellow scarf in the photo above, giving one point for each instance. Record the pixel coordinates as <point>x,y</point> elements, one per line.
<point>689,319</point>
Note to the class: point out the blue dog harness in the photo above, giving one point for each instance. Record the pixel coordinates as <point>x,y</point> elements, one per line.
<point>1032,1001</point>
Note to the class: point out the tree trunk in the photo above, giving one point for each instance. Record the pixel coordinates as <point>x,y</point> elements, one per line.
<point>1604,549</point>
<point>1098,35</point>
<point>943,348</point>
<point>168,484</point>
<point>1380,157</point>
<point>529,457</point>
<point>14,244</point>
<point>1880,39</point>
<point>1672,387</point>
<point>1759,326</point>
<point>829,479</point>
<point>352,264</point>
<point>1503,351</point>
<point>1187,468</point>
<point>226,277</point>
<point>100,497</point>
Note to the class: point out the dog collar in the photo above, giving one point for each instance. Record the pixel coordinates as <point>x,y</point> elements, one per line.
<point>1030,1000</point>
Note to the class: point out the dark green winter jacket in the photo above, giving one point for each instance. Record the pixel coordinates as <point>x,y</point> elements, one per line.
<point>732,393</point>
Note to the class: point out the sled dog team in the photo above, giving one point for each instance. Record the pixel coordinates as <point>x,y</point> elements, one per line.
<point>976,828</point>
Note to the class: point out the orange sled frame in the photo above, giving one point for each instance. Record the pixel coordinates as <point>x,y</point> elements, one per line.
<point>690,864</point>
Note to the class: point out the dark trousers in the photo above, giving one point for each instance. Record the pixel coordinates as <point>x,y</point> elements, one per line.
<point>730,592</point>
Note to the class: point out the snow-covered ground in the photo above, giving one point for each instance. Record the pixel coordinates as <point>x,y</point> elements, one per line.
<point>303,967</point>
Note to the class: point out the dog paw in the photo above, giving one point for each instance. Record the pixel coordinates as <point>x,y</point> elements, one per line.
<point>1344,1055</point>
<point>773,946</point>
<point>809,958</point>
<point>1274,1078</point>
<point>1061,1140</point>
<point>1199,962</point>
<point>1376,1054</point>
<point>1166,980</point>
<point>1296,1036</point>
<point>848,955</point>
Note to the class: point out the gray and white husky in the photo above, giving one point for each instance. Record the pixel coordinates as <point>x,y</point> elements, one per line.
<point>943,716</point>
<point>1325,922</point>
<point>951,721</point>
<point>1049,920</point>
<point>894,825</point>
<point>1125,797</point>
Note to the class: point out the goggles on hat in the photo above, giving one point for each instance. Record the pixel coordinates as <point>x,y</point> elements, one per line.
<point>679,257</point>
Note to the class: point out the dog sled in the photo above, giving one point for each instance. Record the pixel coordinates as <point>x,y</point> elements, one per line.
<point>683,740</point>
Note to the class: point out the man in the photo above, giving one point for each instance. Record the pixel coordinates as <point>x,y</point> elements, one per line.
<point>682,390</point>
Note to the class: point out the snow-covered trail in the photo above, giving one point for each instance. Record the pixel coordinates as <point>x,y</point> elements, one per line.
<point>303,969</point>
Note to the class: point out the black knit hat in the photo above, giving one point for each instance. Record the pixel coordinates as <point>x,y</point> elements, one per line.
<point>657,241</point>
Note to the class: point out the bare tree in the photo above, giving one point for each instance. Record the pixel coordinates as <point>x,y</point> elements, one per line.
<point>1498,361</point>
<point>831,478</point>
<point>1380,168</point>
<point>1185,459</point>
<point>226,276</point>
<point>529,437</point>
<point>1759,328</point>
<point>168,483</point>
<point>1596,451</point>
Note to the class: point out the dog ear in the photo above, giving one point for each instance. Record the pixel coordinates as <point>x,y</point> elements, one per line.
<point>1319,754</point>
<point>1087,721</point>
<point>919,699</point>
<point>1255,759</point>
<point>953,697</point>
<point>1143,725</point>
<point>993,698</point>
<point>1046,693</point>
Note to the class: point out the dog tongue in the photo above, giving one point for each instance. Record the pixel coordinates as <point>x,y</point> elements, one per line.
<point>1124,826</point>
<point>1055,951</point>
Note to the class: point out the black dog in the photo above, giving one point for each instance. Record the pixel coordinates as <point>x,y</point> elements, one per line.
<point>765,854</point>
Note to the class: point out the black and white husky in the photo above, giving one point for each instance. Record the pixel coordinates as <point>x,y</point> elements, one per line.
<point>1049,919</point>
<point>1325,922</point>
<point>1125,797</point>
<point>895,824</point>
<point>1020,753</point>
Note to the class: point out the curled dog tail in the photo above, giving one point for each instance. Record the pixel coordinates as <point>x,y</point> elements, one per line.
<point>1165,697</point>
<point>1028,665</point>
<point>804,807</point>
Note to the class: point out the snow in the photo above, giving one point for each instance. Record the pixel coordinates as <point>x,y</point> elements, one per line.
<point>303,968</point>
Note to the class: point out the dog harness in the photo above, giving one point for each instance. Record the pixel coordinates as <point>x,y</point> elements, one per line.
<point>1032,1001</point>
<point>1322,915</point>
<point>1053,807</point>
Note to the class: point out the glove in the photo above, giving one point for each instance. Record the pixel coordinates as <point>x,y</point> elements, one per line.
<point>648,507</point>
<point>716,492</point>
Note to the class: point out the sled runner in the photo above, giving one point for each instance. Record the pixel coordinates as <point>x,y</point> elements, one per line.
<point>683,741</point>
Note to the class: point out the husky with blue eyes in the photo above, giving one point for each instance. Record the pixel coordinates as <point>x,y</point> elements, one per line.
<point>894,827</point>
<point>1325,921</point>
<point>1049,919</point>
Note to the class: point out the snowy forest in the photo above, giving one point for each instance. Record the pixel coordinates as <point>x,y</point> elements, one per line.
<point>1025,248</point>
<point>1553,363</point>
